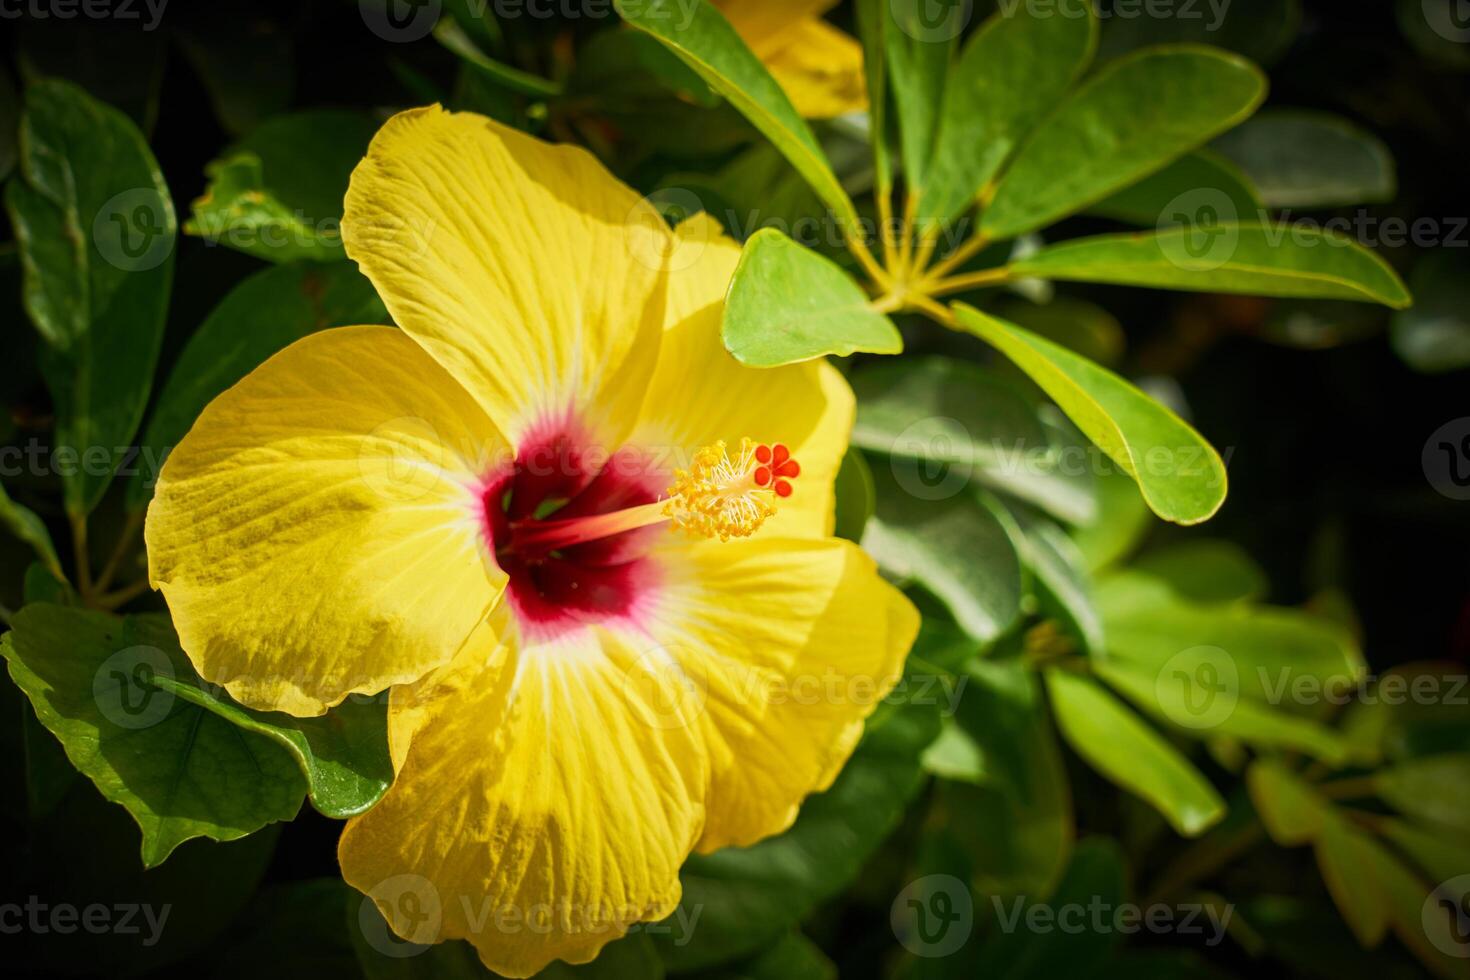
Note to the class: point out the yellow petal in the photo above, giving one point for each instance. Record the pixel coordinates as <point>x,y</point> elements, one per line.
<point>543,806</point>
<point>317,533</point>
<point>700,394</point>
<point>763,24</point>
<point>821,70</point>
<point>791,644</point>
<point>526,269</point>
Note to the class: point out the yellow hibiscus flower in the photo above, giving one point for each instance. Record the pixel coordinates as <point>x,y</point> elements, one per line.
<point>819,67</point>
<point>513,513</point>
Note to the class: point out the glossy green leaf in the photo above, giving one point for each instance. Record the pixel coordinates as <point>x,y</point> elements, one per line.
<point>263,314</point>
<point>1060,579</point>
<point>939,536</point>
<point>1202,176</point>
<point>1427,918</point>
<point>1433,335</point>
<point>449,33</point>
<point>1119,745</point>
<point>917,52</point>
<point>787,303</point>
<point>706,42</point>
<point>343,754</point>
<point>180,770</point>
<point>1011,73</point>
<point>1305,159</point>
<point>1180,475</point>
<point>855,496</point>
<point>277,194</point>
<point>1198,254</point>
<point>95,228</point>
<point>1076,324</point>
<point>747,898</point>
<point>934,415</point>
<point>1435,789</point>
<point>28,527</point>
<point>1129,120</point>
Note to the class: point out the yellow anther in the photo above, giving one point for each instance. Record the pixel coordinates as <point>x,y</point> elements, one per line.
<point>724,496</point>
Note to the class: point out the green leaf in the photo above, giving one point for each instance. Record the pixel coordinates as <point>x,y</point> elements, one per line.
<point>1016,822</point>
<point>934,414</point>
<point>1434,335</point>
<point>1347,860</point>
<point>787,303</point>
<point>1305,159</point>
<point>1427,847</point>
<point>262,315</point>
<point>1292,812</point>
<point>1076,324</point>
<point>277,194</point>
<point>706,42</point>
<point>9,124</point>
<point>1199,254</point>
<point>1167,697</point>
<point>1012,72</point>
<point>1206,570</point>
<point>1063,587</point>
<point>1132,118</point>
<point>247,73</point>
<point>1262,30</point>
<point>747,898</point>
<point>917,53</point>
<point>1435,789</point>
<point>1094,877</point>
<point>1270,654</point>
<point>1120,523</point>
<point>95,228</point>
<point>872,22</point>
<point>28,527</point>
<point>793,955</point>
<point>855,496</point>
<point>941,537</point>
<point>1180,475</point>
<point>449,33</point>
<point>180,770</point>
<point>1115,742</point>
<point>1201,176</point>
<point>633,957</point>
<point>343,754</point>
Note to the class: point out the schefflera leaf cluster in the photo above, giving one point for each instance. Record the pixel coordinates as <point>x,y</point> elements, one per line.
<point>979,144</point>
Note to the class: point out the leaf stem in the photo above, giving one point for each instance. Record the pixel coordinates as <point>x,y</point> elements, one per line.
<point>79,552</point>
<point>906,242</point>
<point>127,593</point>
<point>875,271</point>
<point>124,541</point>
<point>960,256</point>
<point>885,226</point>
<point>970,280</point>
